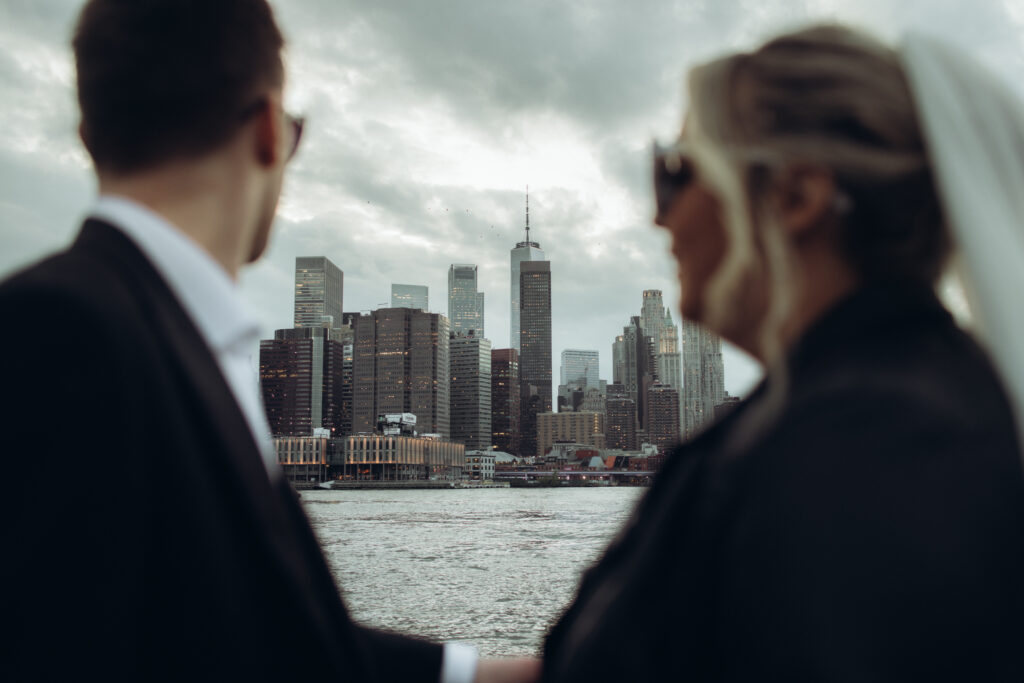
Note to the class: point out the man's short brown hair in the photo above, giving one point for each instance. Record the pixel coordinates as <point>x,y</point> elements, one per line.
<point>165,79</point>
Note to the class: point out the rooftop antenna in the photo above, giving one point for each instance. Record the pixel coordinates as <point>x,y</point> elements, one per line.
<point>527,213</point>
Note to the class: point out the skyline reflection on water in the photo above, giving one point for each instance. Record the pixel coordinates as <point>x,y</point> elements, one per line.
<point>493,567</point>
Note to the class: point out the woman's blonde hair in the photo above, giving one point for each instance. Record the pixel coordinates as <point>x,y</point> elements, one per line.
<point>828,96</point>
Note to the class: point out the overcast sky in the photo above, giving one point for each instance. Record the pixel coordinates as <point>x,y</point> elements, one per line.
<point>426,121</point>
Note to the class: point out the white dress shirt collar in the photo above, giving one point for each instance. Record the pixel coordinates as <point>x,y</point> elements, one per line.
<point>204,288</point>
<point>210,298</point>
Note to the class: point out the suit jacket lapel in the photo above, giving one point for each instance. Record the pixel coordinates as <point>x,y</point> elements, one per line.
<point>245,474</point>
<point>187,347</point>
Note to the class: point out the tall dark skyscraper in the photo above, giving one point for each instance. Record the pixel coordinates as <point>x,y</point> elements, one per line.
<point>663,416</point>
<point>319,286</point>
<point>633,366</point>
<point>505,398</point>
<point>302,377</point>
<point>535,347</point>
<point>345,428</point>
<point>524,251</point>
<point>620,422</point>
<point>465,303</point>
<point>400,365</point>
<point>470,391</point>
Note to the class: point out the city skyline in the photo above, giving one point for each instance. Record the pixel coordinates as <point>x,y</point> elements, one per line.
<point>466,310</point>
<point>303,369</point>
<point>499,102</point>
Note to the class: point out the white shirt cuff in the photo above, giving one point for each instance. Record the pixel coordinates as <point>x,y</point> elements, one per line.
<point>458,665</point>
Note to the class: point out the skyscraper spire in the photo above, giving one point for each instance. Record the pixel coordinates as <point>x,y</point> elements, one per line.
<point>528,242</point>
<point>524,251</point>
<point>527,213</point>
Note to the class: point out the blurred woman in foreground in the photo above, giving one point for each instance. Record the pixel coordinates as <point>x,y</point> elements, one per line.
<point>861,516</point>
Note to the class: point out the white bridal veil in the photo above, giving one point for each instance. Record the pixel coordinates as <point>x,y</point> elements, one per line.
<point>974,130</point>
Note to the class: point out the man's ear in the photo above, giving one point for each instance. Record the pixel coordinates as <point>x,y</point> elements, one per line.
<point>805,197</point>
<point>267,134</point>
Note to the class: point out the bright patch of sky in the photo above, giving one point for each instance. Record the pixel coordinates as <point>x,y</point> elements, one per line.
<point>426,121</point>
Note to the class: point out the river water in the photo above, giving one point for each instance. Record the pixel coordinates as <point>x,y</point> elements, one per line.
<point>490,566</point>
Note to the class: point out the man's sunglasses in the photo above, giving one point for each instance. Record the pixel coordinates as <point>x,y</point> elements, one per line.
<point>296,123</point>
<point>673,171</point>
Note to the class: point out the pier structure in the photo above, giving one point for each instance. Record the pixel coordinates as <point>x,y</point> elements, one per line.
<point>389,457</point>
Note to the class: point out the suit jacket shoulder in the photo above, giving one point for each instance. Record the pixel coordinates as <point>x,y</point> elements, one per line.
<point>150,544</point>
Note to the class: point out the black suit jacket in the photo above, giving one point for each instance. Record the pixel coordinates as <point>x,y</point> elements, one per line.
<point>868,527</point>
<point>142,537</point>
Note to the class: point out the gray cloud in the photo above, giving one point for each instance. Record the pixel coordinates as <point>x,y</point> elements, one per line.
<point>426,121</point>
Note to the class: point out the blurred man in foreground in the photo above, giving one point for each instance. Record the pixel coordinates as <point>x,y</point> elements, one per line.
<point>170,546</point>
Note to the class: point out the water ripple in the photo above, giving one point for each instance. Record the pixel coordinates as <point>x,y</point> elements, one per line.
<point>492,566</point>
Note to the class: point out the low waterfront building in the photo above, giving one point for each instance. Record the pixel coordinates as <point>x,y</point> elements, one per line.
<point>506,461</point>
<point>567,451</point>
<point>480,465</point>
<point>392,457</point>
<point>306,458</point>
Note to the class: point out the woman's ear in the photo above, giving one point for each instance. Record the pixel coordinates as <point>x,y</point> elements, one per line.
<point>805,197</point>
